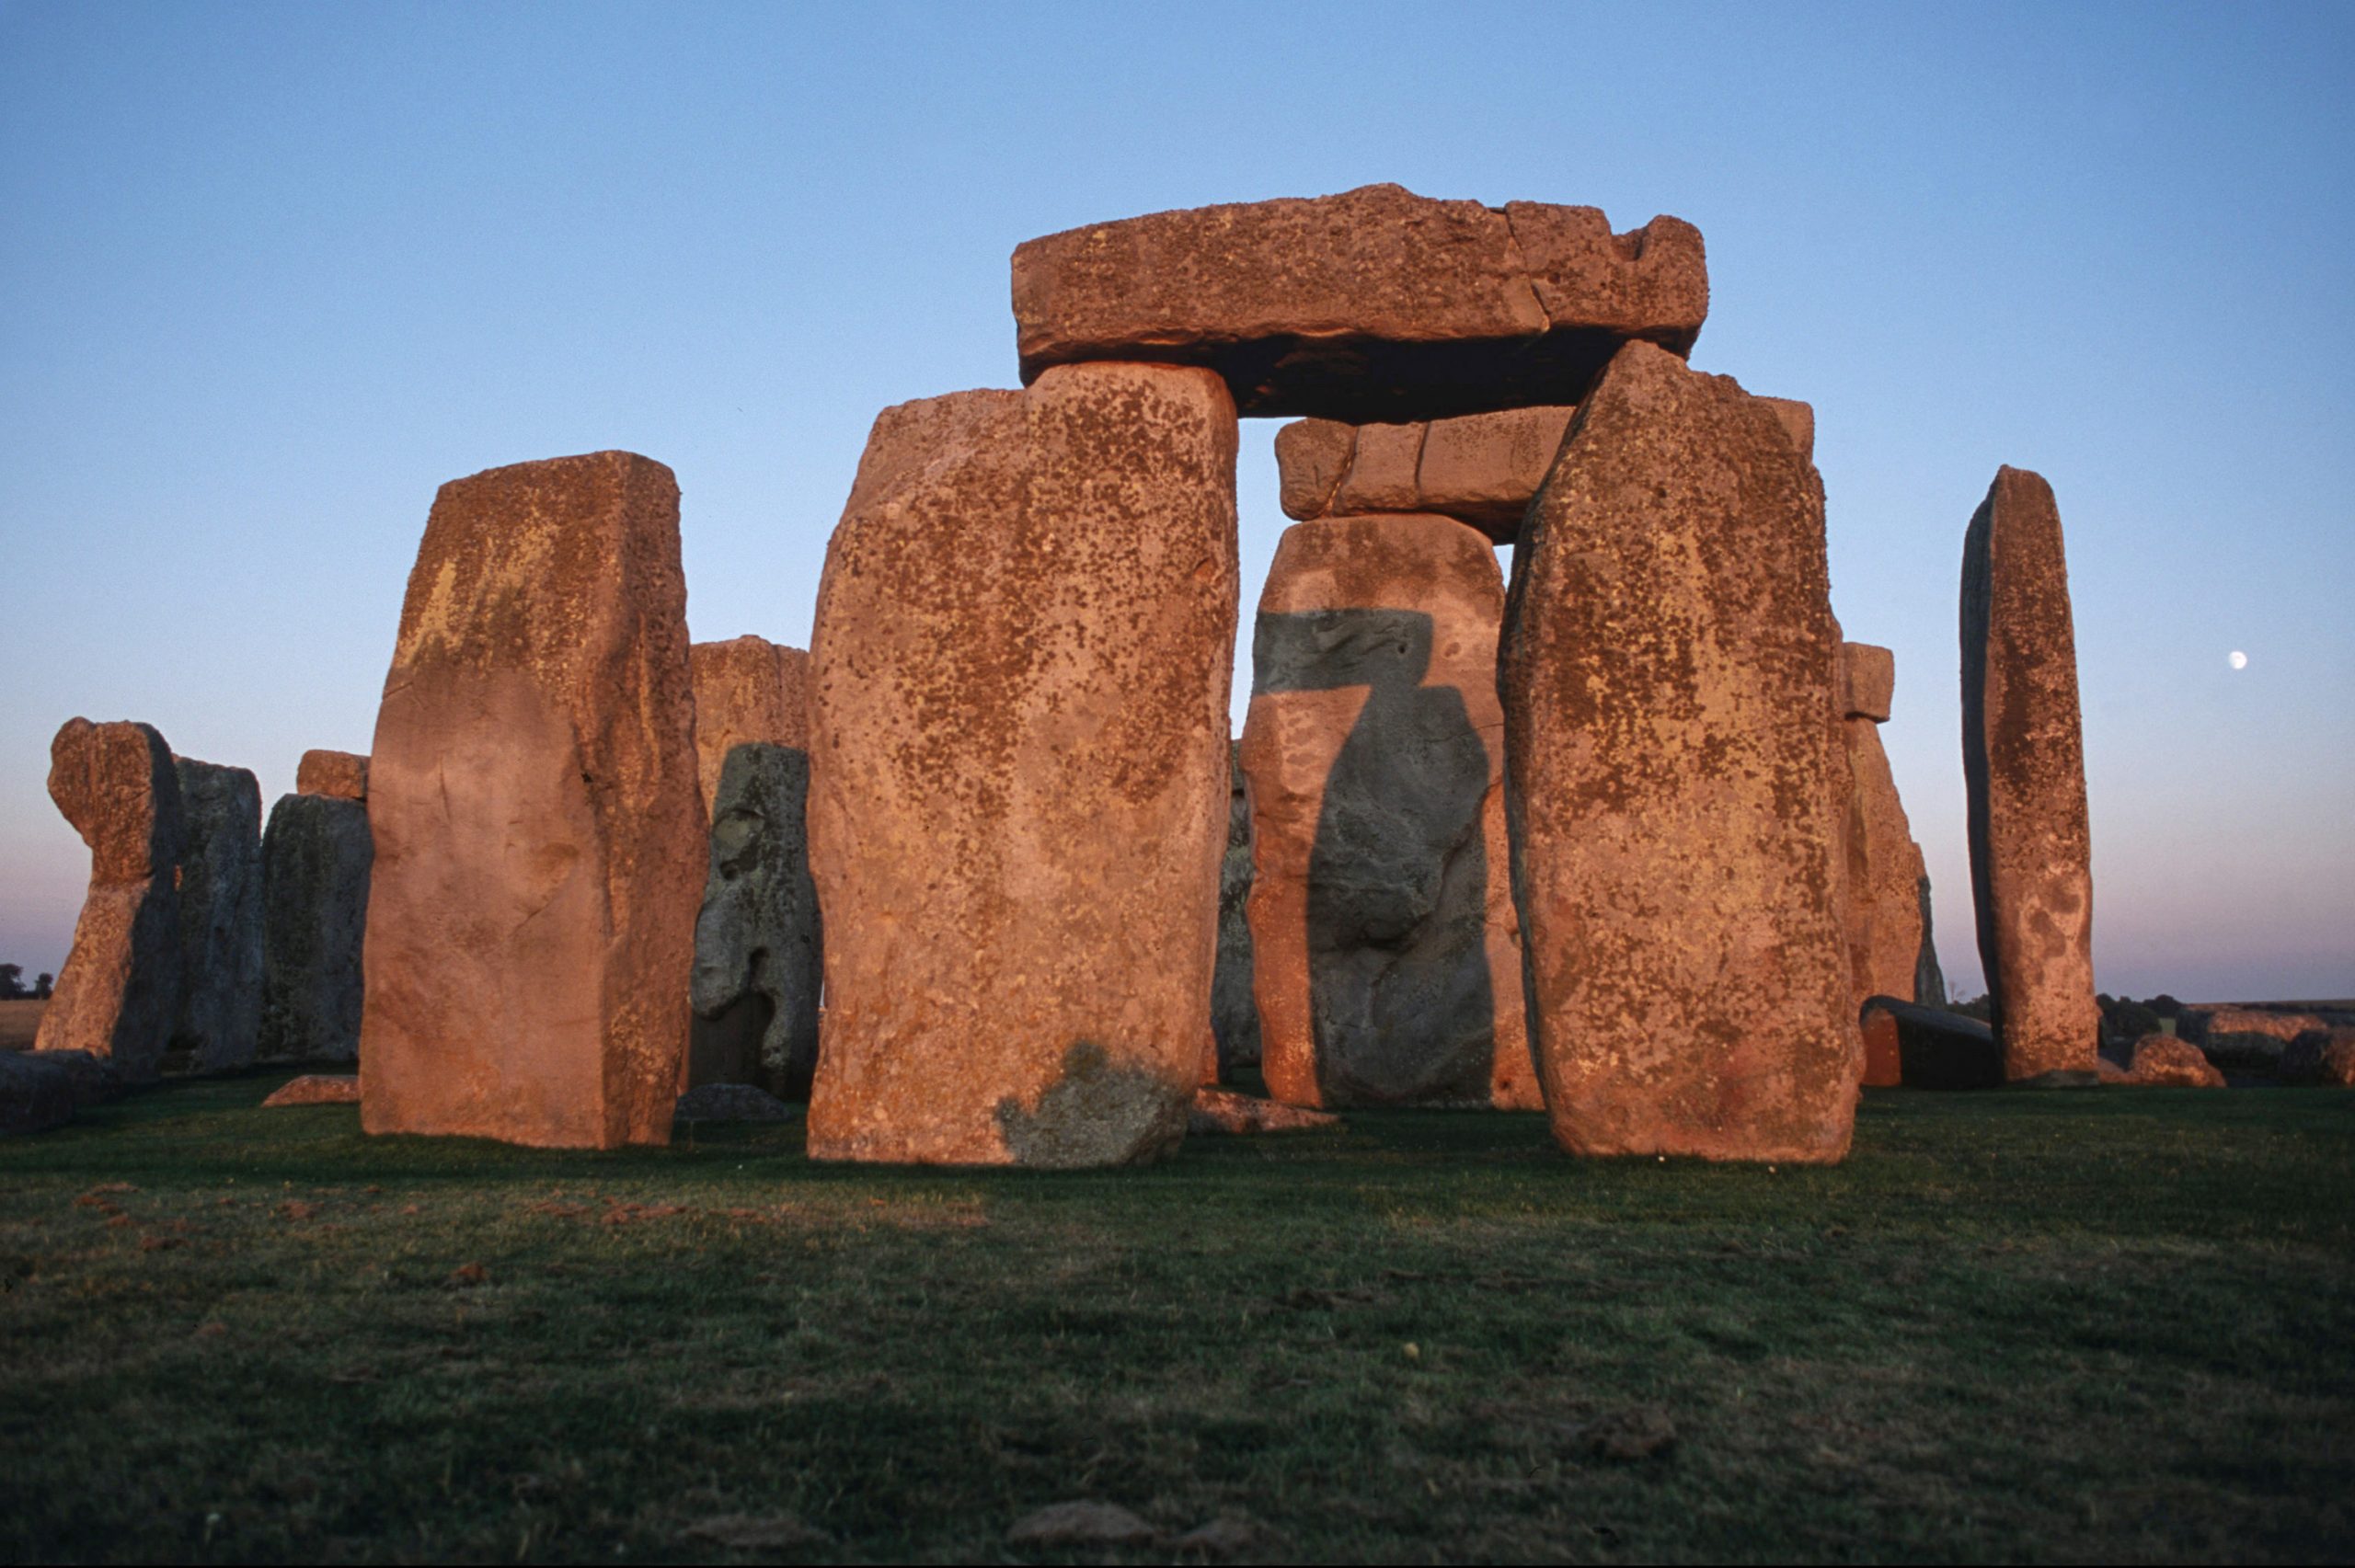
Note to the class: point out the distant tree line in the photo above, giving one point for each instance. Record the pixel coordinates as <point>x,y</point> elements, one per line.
<point>13,987</point>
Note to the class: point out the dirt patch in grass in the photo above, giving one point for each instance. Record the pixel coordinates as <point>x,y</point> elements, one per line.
<point>2116,1325</point>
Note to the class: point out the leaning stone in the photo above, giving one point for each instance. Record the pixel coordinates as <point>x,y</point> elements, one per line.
<point>2023,767</point>
<point>317,854</point>
<point>1386,960</point>
<point>118,995</point>
<point>318,1088</point>
<point>730,1103</point>
<point>1018,680</point>
<point>756,972</point>
<point>1234,1010</point>
<point>747,689</point>
<point>1374,304</point>
<point>1927,1048</point>
<point>1481,469</point>
<point>1667,669</point>
<point>340,774</point>
<point>1223,1111</point>
<point>2164,1060</point>
<point>221,917</point>
<point>539,846</point>
<point>1884,873</point>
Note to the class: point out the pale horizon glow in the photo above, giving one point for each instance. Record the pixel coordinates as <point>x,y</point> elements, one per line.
<point>270,273</point>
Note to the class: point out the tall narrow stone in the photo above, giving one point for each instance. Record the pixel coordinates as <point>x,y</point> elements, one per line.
<point>2024,766</point>
<point>118,995</point>
<point>220,938</point>
<point>1234,1012</point>
<point>539,848</point>
<point>1674,783</point>
<point>1386,954</point>
<point>1884,871</point>
<point>1018,682</point>
<point>316,853</point>
<point>747,689</point>
<point>756,974</point>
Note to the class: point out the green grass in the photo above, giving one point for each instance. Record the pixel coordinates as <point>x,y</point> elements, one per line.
<point>2109,1324</point>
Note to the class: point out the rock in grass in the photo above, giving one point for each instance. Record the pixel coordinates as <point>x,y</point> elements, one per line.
<point>318,1088</point>
<point>2164,1060</point>
<point>1641,1432</point>
<point>756,1532</point>
<point>1226,1536</point>
<point>1081,1525</point>
<point>730,1102</point>
<point>1224,1111</point>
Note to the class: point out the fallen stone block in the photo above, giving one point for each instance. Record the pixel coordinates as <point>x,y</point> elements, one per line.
<point>1018,760</point>
<point>730,1102</point>
<point>2162,1060</point>
<point>318,1088</point>
<point>1927,1048</point>
<point>540,848</point>
<point>1374,304</point>
<point>1225,1112</point>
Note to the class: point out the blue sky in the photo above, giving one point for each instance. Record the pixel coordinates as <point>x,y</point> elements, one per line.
<point>270,273</point>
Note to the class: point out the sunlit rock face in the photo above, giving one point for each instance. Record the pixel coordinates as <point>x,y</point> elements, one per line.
<point>1675,784</point>
<point>540,848</point>
<point>1385,953</point>
<point>747,689</point>
<point>2024,766</point>
<point>1018,758</point>
<point>118,995</point>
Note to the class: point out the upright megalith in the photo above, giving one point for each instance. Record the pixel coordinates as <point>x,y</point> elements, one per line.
<point>1234,1010</point>
<point>539,847</point>
<point>118,995</point>
<point>1884,878</point>
<point>1377,303</point>
<point>1385,955</point>
<point>755,988</point>
<point>1674,788</point>
<point>747,689</point>
<point>2023,769</point>
<point>316,853</point>
<point>221,920</point>
<point>1018,799</point>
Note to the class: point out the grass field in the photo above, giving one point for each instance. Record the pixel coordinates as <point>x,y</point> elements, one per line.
<point>2107,1324</point>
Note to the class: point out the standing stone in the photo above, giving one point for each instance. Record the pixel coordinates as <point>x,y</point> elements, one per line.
<point>340,775</point>
<point>1929,980</point>
<point>539,847</point>
<point>1377,303</point>
<point>1234,1012</point>
<point>2024,765</point>
<point>755,989</point>
<point>1884,870</point>
<point>1386,958</point>
<point>316,857</point>
<point>747,689</point>
<point>1674,786</point>
<point>1018,682</point>
<point>221,940</point>
<point>118,994</point>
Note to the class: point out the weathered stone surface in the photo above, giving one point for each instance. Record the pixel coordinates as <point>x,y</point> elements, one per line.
<point>1799,422</point>
<point>1481,469</point>
<point>342,776</point>
<point>1675,790</point>
<point>539,847</point>
<point>747,689</point>
<point>2162,1060</point>
<point>221,962</point>
<point>1927,1048</point>
<point>1234,1010</point>
<point>318,1088</point>
<point>1385,958</point>
<point>730,1102</point>
<point>2199,1025</point>
<point>756,974</point>
<point>2334,1067</point>
<point>36,1091</point>
<point>1884,874</point>
<point>1929,980</point>
<point>317,854</point>
<point>1377,303</point>
<point>1018,682</point>
<point>2023,767</point>
<point>118,994</point>
<point>1223,1111</point>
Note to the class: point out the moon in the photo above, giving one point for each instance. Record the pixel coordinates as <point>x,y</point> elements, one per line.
<point>2237,659</point>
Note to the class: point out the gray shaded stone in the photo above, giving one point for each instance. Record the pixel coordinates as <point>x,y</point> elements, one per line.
<point>1234,1013</point>
<point>1929,980</point>
<point>757,938</point>
<point>221,876</point>
<point>730,1102</point>
<point>119,993</point>
<point>316,858</point>
<point>39,1089</point>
